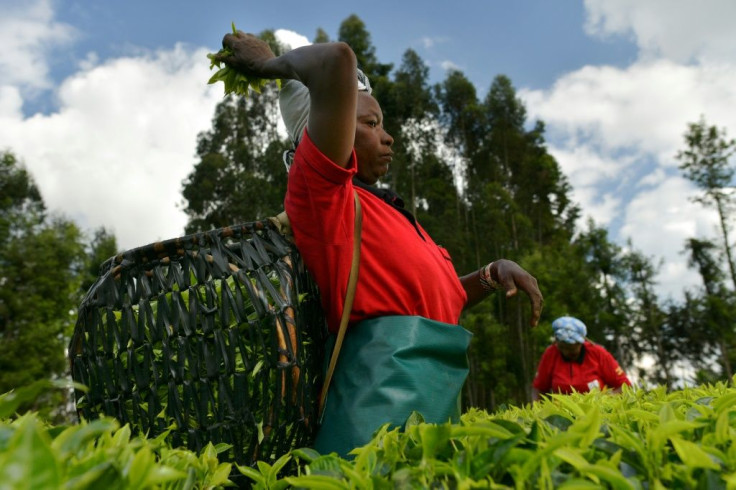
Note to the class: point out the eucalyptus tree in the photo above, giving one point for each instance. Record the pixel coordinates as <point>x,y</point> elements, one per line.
<point>462,120</point>
<point>649,331</point>
<point>610,323</point>
<point>353,32</point>
<point>717,306</point>
<point>410,115</point>
<point>321,36</point>
<point>707,162</point>
<point>41,262</point>
<point>102,246</point>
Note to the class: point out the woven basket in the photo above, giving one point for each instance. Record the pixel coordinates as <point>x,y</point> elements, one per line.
<point>214,336</point>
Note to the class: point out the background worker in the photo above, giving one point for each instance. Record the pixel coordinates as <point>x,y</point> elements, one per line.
<point>573,362</point>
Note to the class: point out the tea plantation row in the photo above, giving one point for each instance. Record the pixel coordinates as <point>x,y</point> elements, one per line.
<point>641,439</point>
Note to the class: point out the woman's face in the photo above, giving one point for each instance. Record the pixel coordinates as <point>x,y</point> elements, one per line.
<point>569,352</point>
<point>372,142</point>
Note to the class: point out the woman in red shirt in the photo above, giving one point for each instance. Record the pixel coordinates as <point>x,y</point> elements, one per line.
<point>573,363</point>
<point>403,350</point>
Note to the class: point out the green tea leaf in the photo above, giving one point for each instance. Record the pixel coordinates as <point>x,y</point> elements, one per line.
<point>163,474</point>
<point>251,473</point>
<point>667,414</point>
<point>613,477</point>
<point>280,463</point>
<point>306,454</point>
<point>433,438</point>
<point>674,427</point>
<point>317,482</point>
<point>77,437</point>
<point>488,429</point>
<point>139,468</point>
<point>567,402</point>
<point>579,484</point>
<point>415,418</point>
<point>692,455</point>
<point>29,461</point>
<point>572,457</point>
<point>221,475</point>
<point>264,468</point>
<point>725,402</point>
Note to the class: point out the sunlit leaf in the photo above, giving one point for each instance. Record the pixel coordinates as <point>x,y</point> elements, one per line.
<point>691,454</point>
<point>306,454</point>
<point>433,437</point>
<point>318,482</point>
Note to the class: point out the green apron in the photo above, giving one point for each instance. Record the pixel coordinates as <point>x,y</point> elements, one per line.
<point>387,368</point>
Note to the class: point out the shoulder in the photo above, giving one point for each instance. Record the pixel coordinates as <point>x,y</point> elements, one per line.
<point>308,156</point>
<point>551,352</point>
<point>596,349</point>
<point>592,346</point>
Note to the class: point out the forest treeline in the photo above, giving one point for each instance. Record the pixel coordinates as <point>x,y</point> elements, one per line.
<point>478,176</point>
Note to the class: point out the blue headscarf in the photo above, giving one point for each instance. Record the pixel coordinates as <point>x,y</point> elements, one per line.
<point>569,330</point>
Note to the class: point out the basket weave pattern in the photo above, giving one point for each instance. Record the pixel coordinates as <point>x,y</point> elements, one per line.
<point>215,336</point>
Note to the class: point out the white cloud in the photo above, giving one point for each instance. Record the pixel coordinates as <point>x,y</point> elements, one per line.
<point>586,169</point>
<point>659,220</point>
<point>679,30</point>
<point>586,165</point>
<point>653,178</point>
<point>616,131</point>
<point>428,42</point>
<point>11,102</point>
<point>646,106</point>
<point>290,38</point>
<point>123,139</point>
<point>606,125</point>
<point>28,33</point>
<point>448,65</point>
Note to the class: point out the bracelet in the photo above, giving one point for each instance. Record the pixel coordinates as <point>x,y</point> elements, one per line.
<point>486,281</point>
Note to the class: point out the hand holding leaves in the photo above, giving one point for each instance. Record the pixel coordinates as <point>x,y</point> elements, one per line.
<point>244,57</point>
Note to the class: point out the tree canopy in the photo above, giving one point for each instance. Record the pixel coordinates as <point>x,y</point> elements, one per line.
<point>42,258</point>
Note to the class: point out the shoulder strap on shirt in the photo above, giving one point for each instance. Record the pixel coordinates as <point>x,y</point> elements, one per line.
<point>347,308</point>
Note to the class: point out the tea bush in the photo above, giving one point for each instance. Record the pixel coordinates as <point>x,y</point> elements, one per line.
<point>640,439</point>
<point>95,454</point>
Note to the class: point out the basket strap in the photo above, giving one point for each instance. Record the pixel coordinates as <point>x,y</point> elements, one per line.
<point>347,308</point>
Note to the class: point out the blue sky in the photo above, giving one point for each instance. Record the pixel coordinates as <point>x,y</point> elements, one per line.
<point>102,100</point>
<point>533,42</point>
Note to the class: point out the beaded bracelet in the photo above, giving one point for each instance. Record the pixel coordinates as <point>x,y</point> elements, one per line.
<point>486,281</point>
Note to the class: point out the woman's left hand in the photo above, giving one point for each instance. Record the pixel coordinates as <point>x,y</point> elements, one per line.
<point>512,277</point>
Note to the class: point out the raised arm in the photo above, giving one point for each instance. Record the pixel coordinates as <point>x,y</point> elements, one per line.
<point>329,72</point>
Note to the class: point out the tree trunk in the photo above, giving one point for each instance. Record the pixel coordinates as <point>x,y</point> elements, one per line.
<point>724,355</point>
<point>413,189</point>
<point>724,232</point>
<point>523,352</point>
<point>663,364</point>
<point>476,241</point>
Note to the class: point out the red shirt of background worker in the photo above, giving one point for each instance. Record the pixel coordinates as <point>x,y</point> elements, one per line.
<point>573,363</point>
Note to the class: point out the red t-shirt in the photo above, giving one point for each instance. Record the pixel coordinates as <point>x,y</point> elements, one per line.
<point>597,370</point>
<point>401,271</point>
